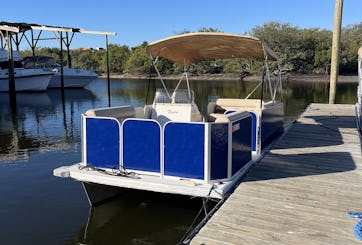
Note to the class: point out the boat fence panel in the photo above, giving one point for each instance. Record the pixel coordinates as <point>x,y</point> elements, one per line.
<point>254,130</point>
<point>254,127</point>
<point>241,143</point>
<point>272,123</point>
<point>184,150</point>
<point>141,145</point>
<point>219,151</point>
<point>102,142</point>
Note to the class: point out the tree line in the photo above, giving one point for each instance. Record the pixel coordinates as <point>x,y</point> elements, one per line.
<point>300,50</point>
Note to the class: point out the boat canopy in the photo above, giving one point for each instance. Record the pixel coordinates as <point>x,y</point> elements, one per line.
<point>360,53</point>
<point>200,46</point>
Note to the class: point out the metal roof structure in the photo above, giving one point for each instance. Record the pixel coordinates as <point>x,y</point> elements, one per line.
<point>10,29</point>
<point>20,27</point>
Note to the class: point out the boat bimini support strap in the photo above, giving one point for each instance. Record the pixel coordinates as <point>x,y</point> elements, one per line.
<point>154,62</point>
<point>266,65</point>
<point>187,82</point>
<point>278,83</point>
<point>184,74</point>
<point>257,86</point>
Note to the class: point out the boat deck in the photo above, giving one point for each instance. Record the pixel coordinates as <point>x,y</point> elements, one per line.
<point>300,192</point>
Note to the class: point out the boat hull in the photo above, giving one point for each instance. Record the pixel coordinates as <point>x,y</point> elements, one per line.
<point>26,80</point>
<point>73,78</point>
<point>97,193</point>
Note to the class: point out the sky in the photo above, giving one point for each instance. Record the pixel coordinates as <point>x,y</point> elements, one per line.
<point>136,21</point>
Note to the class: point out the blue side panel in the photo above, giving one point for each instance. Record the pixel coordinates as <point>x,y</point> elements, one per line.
<point>184,150</point>
<point>271,125</point>
<point>102,142</point>
<point>219,151</point>
<point>253,117</point>
<point>141,145</point>
<point>241,143</point>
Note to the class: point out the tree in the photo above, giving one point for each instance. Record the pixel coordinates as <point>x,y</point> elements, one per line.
<point>118,56</point>
<point>138,60</point>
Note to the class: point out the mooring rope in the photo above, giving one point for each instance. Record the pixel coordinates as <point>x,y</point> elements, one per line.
<point>357,229</point>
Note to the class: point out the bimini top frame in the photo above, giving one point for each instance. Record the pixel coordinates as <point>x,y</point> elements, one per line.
<point>190,48</point>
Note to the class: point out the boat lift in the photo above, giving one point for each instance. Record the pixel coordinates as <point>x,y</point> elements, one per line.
<point>14,32</point>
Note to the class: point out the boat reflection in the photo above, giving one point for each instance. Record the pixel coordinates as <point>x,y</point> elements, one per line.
<point>41,121</point>
<point>141,218</point>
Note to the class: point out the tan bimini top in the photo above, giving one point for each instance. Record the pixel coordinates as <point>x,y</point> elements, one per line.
<point>200,46</point>
<point>360,53</point>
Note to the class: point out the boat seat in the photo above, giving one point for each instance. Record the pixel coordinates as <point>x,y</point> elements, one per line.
<point>178,112</point>
<point>218,117</point>
<point>223,105</point>
<point>118,112</point>
<point>237,104</point>
<point>230,117</point>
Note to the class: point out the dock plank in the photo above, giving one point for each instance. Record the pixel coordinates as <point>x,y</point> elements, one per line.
<point>301,191</point>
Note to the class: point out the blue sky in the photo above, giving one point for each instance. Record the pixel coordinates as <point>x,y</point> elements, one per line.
<point>136,21</point>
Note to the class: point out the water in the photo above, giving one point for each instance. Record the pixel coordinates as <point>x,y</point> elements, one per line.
<point>43,132</point>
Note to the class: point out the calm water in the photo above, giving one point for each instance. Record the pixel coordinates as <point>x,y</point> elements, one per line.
<point>43,133</point>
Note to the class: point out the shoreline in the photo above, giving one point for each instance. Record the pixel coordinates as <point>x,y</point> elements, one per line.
<point>291,77</point>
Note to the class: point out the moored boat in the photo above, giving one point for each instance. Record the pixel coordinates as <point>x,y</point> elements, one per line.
<point>25,79</point>
<point>73,78</point>
<point>170,146</point>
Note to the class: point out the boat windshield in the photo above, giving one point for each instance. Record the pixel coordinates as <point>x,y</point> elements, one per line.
<point>40,62</point>
<point>180,96</point>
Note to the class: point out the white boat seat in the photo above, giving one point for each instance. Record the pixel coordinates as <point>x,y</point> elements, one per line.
<point>178,112</point>
<point>238,104</point>
<point>221,118</point>
<point>218,117</point>
<point>118,112</point>
<point>222,105</point>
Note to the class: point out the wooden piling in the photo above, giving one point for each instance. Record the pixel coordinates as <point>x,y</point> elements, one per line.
<point>335,50</point>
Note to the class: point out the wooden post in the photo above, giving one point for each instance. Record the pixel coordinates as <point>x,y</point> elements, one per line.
<point>61,62</point>
<point>11,65</point>
<point>108,78</point>
<point>32,42</point>
<point>68,51</point>
<point>12,91</point>
<point>335,50</point>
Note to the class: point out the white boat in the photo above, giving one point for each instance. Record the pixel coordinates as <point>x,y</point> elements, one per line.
<point>358,105</point>
<point>73,78</point>
<point>170,146</point>
<point>25,79</point>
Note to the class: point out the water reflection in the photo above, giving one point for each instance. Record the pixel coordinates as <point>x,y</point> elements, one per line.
<point>40,122</point>
<point>44,121</point>
<point>140,218</point>
<point>43,132</point>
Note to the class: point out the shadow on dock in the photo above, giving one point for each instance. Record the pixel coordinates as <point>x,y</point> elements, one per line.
<point>314,145</point>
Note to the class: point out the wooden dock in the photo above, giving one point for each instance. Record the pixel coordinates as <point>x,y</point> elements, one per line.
<point>300,192</point>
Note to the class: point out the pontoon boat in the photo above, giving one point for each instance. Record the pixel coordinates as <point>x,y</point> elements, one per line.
<point>170,146</point>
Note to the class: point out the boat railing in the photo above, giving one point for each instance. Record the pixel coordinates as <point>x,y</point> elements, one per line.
<point>205,152</point>
<point>269,112</point>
